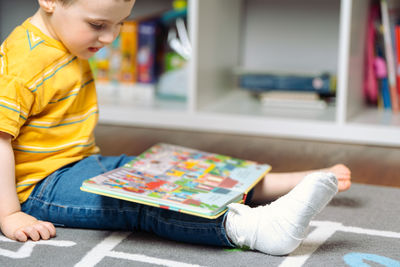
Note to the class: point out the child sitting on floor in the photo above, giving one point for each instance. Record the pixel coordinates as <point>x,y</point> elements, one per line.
<point>48,112</point>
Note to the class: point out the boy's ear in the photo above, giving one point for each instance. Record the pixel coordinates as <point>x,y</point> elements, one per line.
<point>47,5</point>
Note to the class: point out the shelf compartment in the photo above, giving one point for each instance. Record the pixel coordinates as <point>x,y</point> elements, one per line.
<point>255,35</point>
<point>240,102</point>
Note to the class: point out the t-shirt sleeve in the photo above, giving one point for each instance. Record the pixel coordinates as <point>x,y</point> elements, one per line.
<point>15,104</point>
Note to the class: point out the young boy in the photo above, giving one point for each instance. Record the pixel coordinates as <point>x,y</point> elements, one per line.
<point>48,111</point>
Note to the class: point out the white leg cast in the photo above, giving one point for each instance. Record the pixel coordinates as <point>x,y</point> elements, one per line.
<point>279,228</point>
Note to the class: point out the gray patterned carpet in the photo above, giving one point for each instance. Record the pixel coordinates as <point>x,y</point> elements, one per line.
<point>360,227</point>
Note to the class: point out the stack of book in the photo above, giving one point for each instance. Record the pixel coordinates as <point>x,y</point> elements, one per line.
<point>289,90</point>
<point>382,73</point>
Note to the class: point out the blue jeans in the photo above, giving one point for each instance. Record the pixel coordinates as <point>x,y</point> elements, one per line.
<point>59,200</point>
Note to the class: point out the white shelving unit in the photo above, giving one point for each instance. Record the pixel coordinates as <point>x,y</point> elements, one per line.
<point>289,35</point>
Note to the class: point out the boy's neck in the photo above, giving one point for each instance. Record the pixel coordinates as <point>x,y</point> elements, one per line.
<point>41,21</point>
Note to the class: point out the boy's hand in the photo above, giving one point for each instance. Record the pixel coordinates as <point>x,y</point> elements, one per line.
<point>21,226</point>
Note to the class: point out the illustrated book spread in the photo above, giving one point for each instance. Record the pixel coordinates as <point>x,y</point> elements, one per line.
<point>181,179</point>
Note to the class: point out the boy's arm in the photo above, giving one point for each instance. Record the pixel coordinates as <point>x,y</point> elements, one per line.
<point>14,223</point>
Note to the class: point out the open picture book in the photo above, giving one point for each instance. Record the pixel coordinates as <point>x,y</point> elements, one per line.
<point>181,179</point>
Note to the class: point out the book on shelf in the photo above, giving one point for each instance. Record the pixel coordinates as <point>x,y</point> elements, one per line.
<point>382,78</point>
<point>394,24</point>
<point>128,47</point>
<point>260,81</point>
<point>397,38</point>
<point>181,179</point>
<point>386,99</point>
<point>148,47</point>
<point>292,99</point>
<point>370,86</point>
<point>389,55</point>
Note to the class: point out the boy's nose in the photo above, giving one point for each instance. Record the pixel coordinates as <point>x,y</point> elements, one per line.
<point>107,37</point>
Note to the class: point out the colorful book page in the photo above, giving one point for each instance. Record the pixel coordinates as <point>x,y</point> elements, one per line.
<point>181,179</point>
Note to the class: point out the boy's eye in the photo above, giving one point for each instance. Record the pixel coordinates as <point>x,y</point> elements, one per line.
<point>96,26</point>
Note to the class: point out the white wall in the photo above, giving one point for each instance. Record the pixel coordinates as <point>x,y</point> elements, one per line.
<point>291,35</point>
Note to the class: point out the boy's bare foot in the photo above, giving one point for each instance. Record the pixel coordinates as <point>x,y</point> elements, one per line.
<point>275,185</point>
<point>343,174</point>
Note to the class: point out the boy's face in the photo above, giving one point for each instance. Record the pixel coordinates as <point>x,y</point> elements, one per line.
<point>85,26</point>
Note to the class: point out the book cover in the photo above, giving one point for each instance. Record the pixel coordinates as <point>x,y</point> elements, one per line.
<point>129,44</point>
<point>394,21</point>
<point>385,91</point>
<point>397,35</point>
<point>381,74</point>
<point>181,179</point>
<point>380,69</point>
<point>389,54</point>
<point>324,84</point>
<point>147,51</point>
<point>371,89</point>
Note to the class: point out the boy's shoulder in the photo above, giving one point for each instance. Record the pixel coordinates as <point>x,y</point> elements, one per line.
<point>27,52</point>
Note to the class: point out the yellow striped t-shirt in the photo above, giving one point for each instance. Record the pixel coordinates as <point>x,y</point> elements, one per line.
<point>48,104</point>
